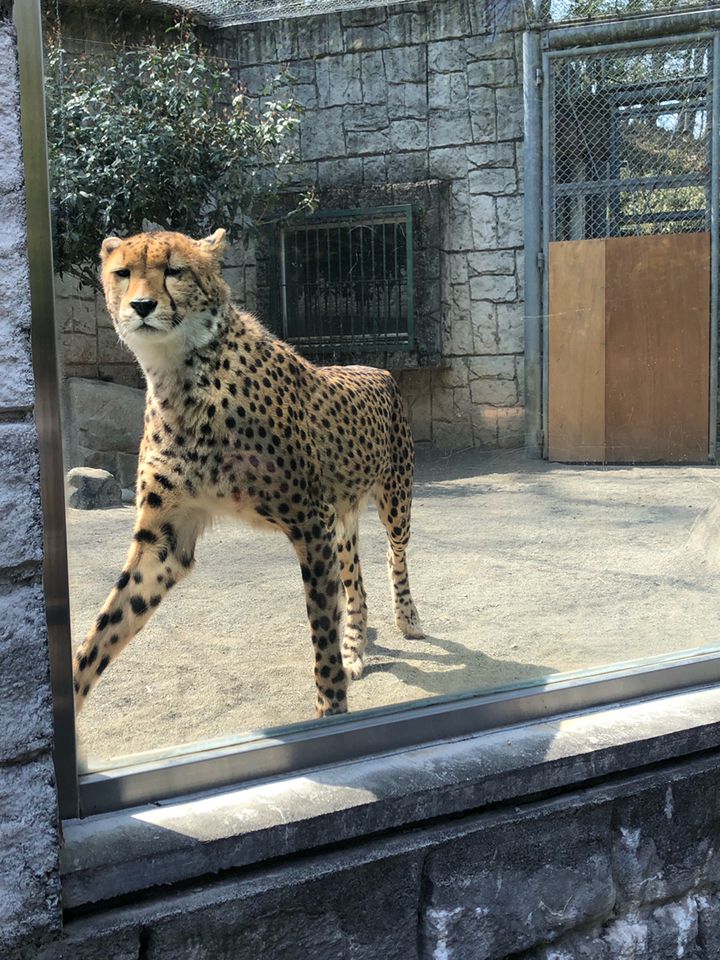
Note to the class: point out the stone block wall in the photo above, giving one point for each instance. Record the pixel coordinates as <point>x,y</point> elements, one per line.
<point>393,96</point>
<point>29,884</point>
<point>414,92</point>
<point>624,870</point>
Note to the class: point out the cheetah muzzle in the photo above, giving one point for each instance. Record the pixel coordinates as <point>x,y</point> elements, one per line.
<point>237,423</point>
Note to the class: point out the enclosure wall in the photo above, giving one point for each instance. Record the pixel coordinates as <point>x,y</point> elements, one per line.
<point>625,869</point>
<point>393,95</point>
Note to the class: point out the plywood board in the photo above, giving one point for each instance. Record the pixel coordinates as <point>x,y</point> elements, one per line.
<point>657,306</point>
<point>576,351</point>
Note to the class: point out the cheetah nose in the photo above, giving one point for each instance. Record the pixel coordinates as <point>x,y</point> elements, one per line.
<point>143,307</point>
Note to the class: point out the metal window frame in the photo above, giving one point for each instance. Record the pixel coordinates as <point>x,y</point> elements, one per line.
<point>359,216</point>
<point>28,24</point>
<point>541,45</point>
<point>269,753</point>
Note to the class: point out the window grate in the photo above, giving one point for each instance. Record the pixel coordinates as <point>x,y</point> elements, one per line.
<point>344,280</point>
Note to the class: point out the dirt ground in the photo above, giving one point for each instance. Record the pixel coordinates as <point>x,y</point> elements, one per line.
<point>520,569</point>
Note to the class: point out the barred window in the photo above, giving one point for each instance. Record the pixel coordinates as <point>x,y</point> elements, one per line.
<point>345,280</point>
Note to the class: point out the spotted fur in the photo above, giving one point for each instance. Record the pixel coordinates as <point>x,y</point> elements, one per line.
<point>238,423</point>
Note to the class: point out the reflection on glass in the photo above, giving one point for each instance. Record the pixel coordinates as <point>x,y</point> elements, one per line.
<point>368,254</point>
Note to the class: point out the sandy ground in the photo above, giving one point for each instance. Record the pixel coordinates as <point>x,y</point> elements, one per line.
<point>519,569</point>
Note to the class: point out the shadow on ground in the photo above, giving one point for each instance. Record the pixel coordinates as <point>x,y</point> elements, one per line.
<point>451,666</point>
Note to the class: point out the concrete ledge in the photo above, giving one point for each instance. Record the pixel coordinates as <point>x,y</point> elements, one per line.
<point>121,853</point>
<point>629,867</point>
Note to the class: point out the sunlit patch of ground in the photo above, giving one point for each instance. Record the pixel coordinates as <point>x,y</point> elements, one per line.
<point>519,569</point>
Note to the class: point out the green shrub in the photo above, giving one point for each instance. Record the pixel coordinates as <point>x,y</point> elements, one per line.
<point>160,134</point>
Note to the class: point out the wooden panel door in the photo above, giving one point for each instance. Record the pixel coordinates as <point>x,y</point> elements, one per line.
<point>576,339</point>
<point>657,360</point>
<point>629,349</point>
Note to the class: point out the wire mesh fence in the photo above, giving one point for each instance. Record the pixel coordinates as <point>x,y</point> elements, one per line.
<point>230,12</point>
<point>559,11</point>
<point>630,141</point>
<point>235,12</point>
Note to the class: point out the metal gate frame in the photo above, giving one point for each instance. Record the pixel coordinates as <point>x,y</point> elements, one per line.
<point>541,45</point>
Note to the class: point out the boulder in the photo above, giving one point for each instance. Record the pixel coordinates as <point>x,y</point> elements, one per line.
<point>90,489</point>
<point>104,426</point>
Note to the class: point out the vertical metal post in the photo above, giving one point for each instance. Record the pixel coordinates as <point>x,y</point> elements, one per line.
<point>532,102</point>
<point>279,245</point>
<point>338,285</point>
<point>547,234</point>
<point>373,288</point>
<point>350,285</point>
<point>714,245</point>
<point>28,24</point>
<point>305,268</point>
<point>317,314</point>
<point>410,271</point>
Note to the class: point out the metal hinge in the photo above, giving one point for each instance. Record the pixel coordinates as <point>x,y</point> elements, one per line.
<point>540,261</point>
<point>539,76</point>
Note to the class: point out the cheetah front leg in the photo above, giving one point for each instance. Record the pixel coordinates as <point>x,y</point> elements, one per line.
<point>161,554</point>
<point>316,548</point>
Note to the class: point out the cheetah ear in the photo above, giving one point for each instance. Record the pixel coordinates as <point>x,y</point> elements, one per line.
<point>108,245</point>
<point>215,244</point>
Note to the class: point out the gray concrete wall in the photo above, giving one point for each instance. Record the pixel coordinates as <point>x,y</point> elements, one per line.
<point>29,886</point>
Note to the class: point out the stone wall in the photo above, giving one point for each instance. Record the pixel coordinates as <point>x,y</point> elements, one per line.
<point>414,92</point>
<point>29,885</point>
<point>627,870</point>
<point>394,96</point>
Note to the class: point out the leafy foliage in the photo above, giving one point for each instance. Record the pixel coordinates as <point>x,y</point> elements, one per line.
<point>161,134</point>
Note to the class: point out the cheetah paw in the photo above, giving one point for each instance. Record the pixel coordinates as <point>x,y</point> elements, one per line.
<point>354,666</point>
<point>410,626</point>
<point>330,709</point>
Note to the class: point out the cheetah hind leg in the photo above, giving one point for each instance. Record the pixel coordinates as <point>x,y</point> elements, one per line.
<point>393,500</point>
<point>407,619</point>
<point>355,630</point>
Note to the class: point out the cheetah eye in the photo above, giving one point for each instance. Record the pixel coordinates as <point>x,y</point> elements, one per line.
<point>122,273</point>
<point>173,271</point>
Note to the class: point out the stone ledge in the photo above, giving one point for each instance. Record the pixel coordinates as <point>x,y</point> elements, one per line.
<point>121,853</point>
<point>629,866</point>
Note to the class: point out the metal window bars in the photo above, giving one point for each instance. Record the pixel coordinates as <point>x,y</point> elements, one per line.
<point>344,280</point>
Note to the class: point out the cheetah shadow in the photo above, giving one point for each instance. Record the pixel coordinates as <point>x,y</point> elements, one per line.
<point>459,666</point>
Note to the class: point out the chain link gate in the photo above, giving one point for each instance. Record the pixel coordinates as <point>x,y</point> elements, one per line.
<point>629,149</point>
<point>629,141</point>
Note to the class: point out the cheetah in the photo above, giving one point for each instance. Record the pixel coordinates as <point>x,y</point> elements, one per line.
<point>237,423</point>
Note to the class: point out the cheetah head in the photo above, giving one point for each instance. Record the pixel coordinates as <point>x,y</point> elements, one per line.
<point>164,292</point>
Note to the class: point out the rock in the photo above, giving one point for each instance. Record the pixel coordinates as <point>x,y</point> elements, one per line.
<point>90,489</point>
<point>104,427</point>
<point>106,416</point>
<point>128,496</point>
